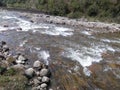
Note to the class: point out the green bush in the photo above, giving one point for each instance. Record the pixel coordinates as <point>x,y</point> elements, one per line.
<point>93,10</point>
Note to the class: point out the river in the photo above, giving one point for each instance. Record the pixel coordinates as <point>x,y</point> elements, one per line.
<point>78,58</point>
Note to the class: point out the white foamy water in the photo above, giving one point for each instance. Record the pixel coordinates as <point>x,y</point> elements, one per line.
<point>85,56</point>
<point>23,43</point>
<point>42,28</point>
<point>56,31</point>
<point>86,71</point>
<point>86,33</point>
<point>44,55</point>
<point>111,41</point>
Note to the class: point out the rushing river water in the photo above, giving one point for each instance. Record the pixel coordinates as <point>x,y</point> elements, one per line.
<point>97,54</point>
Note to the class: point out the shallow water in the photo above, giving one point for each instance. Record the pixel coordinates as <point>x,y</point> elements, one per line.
<point>50,42</point>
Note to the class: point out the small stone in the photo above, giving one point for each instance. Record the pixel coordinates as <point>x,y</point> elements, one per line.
<point>36,81</point>
<point>45,79</point>
<point>38,87</point>
<point>34,88</point>
<point>5,25</point>
<point>37,64</point>
<point>44,85</point>
<point>37,73</point>
<point>50,89</point>
<point>44,72</point>
<point>39,78</point>
<point>21,58</point>
<point>29,72</point>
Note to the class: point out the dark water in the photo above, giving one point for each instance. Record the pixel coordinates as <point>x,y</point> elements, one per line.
<point>53,43</point>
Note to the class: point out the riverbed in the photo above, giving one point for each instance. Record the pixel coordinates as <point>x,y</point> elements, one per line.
<point>79,58</point>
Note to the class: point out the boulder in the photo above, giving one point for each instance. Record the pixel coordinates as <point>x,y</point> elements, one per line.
<point>21,58</point>
<point>44,72</point>
<point>37,64</point>
<point>43,85</point>
<point>29,72</point>
<point>45,79</point>
<point>18,66</point>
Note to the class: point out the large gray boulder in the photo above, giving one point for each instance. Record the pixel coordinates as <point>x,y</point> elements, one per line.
<point>37,64</point>
<point>29,72</point>
<point>44,72</point>
<point>45,79</point>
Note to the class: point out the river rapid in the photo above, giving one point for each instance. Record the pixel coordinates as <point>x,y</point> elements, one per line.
<point>79,59</point>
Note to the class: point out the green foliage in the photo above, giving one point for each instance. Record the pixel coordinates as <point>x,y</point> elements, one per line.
<point>71,8</point>
<point>10,72</point>
<point>93,10</point>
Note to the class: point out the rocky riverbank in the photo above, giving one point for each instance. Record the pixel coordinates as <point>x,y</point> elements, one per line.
<point>36,76</point>
<point>81,22</point>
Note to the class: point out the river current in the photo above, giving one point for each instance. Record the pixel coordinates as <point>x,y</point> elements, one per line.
<point>50,42</point>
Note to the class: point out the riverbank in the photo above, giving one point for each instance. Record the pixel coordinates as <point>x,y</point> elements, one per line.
<point>37,16</point>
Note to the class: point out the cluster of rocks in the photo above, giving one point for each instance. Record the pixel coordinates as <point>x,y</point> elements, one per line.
<point>110,27</point>
<point>38,74</point>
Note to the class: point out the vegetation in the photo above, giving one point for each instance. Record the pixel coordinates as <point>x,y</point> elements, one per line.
<point>101,9</point>
<point>12,80</point>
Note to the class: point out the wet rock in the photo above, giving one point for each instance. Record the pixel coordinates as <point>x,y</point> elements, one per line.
<point>20,29</point>
<point>31,21</point>
<point>44,85</point>
<point>45,79</point>
<point>44,72</point>
<point>5,25</point>
<point>29,72</point>
<point>37,64</point>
